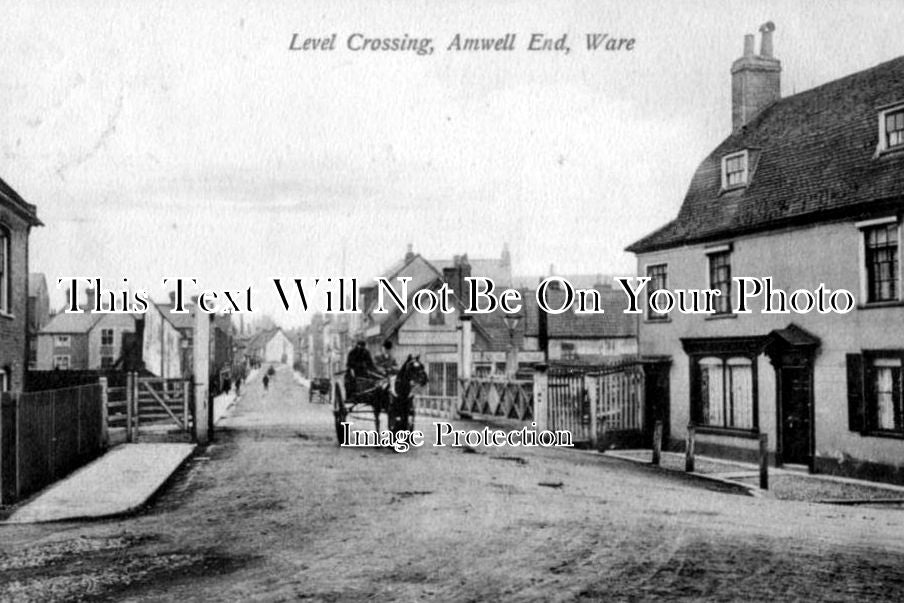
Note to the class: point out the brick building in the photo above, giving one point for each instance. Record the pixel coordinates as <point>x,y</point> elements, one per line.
<point>17,217</point>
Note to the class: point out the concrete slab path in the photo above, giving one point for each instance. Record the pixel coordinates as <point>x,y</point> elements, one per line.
<point>119,482</point>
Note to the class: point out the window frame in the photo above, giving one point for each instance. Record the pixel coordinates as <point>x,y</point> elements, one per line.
<point>865,284</point>
<point>442,382</point>
<point>568,350</point>
<point>62,341</point>
<point>870,393</point>
<point>884,145</point>
<point>724,349</point>
<point>723,303</point>
<point>649,315</point>
<point>56,362</point>
<point>112,333</point>
<point>744,155</point>
<point>436,318</point>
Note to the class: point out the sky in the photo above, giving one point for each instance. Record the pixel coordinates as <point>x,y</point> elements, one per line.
<point>186,139</point>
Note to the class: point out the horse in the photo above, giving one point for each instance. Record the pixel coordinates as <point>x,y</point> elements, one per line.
<point>400,403</point>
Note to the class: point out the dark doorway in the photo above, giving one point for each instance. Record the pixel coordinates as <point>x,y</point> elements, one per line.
<point>795,413</point>
<point>792,351</point>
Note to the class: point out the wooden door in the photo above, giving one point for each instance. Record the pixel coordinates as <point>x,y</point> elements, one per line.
<point>796,415</point>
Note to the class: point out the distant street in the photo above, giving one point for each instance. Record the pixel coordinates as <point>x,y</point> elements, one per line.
<point>275,511</point>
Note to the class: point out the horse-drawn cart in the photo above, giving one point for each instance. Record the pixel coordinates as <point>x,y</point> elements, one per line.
<point>362,397</point>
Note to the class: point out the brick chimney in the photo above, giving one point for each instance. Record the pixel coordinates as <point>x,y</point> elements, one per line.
<point>755,79</point>
<point>409,253</point>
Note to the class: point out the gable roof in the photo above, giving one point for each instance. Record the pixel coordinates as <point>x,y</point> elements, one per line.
<point>180,320</point>
<point>812,159</point>
<point>260,339</point>
<point>64,323</point>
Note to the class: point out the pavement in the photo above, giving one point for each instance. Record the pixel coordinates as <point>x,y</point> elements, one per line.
<point>119,482</point>
<point>784,484</point>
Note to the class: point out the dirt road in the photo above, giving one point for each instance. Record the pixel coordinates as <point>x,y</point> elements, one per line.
<point>275,511</point>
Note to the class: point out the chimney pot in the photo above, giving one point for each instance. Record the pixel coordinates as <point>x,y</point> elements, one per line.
<point>766,42</point>
<point>748,45</point>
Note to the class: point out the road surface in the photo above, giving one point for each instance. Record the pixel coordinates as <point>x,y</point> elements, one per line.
<point>275,511</point>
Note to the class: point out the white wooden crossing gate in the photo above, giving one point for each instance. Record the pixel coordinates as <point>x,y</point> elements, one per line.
<point>151,405</point>
<point>597,404</point>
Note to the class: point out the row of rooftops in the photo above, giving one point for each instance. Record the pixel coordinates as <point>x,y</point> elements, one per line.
<point>567,325</point>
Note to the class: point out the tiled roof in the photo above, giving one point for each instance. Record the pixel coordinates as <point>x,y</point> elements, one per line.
<point>578,280</point>
<point>812,156</point>
<point>179,320</point>
<point>71,323</point>
<point>568,325</point>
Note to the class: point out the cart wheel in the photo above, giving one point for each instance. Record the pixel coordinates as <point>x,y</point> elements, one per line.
<point>340,413</point>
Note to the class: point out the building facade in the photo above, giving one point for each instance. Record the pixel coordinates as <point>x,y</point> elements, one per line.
<point>808,190</point>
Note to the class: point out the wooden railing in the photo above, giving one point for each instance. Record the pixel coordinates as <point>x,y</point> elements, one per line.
<point>512,399</point>
<point>443,407</point>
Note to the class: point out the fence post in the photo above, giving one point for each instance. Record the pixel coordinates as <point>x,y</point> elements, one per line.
<point>18,421</point>
<point>764,461</point>
<point>657,442</point>
<point>136,412</point>
<point>591,391</point>
<point>104,413</point>
<point>129,406</point>
<point>185,395</point>
<point>689,460</point>
<point>201,371</point>
<point>541,401</point>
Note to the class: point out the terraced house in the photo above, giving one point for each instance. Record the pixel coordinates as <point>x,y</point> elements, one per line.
<point>17,217</point>
<point>807,189</point>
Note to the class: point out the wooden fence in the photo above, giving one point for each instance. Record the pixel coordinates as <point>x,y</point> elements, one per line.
<point>45,435</point>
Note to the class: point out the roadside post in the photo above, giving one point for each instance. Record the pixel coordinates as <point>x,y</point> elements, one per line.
<point>657,443</point>
<point>689,460</point>
<point>764,461</point>
<point>201,369</point>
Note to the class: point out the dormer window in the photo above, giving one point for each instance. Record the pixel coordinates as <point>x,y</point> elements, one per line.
<point>891,128</point>
<point>734,170</point>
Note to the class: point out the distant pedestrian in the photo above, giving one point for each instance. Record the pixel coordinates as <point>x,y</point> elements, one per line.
<point>266,382</point>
